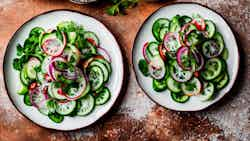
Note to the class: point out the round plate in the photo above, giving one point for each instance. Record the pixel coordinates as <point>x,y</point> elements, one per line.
<point>145,34</point>
<point>49,20</point>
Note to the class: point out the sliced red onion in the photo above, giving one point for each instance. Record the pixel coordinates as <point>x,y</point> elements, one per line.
<point>52,70</point>
<point>183,51</point>
<point>144,52</point>
<point>72,75</point>
<point>37,96</point>
<point>104,53</point>
<point>199,60</point>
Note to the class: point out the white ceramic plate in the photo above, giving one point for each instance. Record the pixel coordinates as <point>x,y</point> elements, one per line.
<point>145,34</point>
<point>50,20</point>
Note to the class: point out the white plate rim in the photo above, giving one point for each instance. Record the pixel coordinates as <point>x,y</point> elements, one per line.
<point>77,12</point>
<point>135,63</point>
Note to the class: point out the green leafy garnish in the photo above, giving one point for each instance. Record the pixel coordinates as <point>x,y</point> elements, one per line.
<point>120,6</point>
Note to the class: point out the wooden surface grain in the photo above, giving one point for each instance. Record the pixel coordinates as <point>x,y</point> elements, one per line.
<point>135,117</point>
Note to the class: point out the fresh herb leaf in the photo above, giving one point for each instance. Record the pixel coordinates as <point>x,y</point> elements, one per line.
<point>119,6</point>
<point>19,50</point>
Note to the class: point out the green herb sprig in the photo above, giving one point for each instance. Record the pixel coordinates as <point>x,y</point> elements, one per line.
<point>120,6</point>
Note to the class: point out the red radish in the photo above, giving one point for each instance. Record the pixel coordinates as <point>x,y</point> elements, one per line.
<point>33,85</point>
<point>169,39</point>
<point>53,46</point>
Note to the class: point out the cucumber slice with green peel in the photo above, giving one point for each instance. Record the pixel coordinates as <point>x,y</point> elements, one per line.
<point>103,97</point>
<point>65,108</point>
<point>55,117</point>
<point>158,24</point>
<point>88,51</point>
<point>175,24</point>
<point>107,64</point>
<point>210,28</point>
<point>185,19</point>
<point>91,36</point>
<point>225,54</point>
<point>191,87</point>
<point>86,91</point>
<point>26,100</point>
<point>208,91</point>
<point>164,30</point>
<point>31,65</point>
<point>96,77</point>
<point>152,49</point>
<point>53,91</point>
<point>103,67</point>
<point>100,89</point>
<point>219,40</point>
<point>173,85</point>
<point>219,78</point>
<point>45,64</point>
<point>160,85</point>
<point>25,80</point>
<point>179,74</point>
<point>23,90</point>
<point>180,98</point>
<point>213,68</point>
<point>87,105</point>
<point>223,82</point>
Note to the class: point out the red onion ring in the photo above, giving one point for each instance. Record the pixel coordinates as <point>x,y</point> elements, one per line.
<point>104,53</point>
<point>179,54</point>
<point>144,52</point>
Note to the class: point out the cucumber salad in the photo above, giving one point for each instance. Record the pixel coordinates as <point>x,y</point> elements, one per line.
<point>63,71</point>
<point>188,58</point>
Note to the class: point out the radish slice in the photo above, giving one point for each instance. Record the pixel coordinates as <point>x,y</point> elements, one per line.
<point>145,53</point>
<point>37,96</point>
<point>54,46</point>
<point>199,23</point>
<point>183,58</point>
<point>171,42</point>
<point>157,67</point>
<point>104,53</point>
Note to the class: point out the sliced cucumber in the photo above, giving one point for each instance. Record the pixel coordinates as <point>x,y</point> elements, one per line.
<point>219,40</point>
<point>65,108</point>
<point>158,24</point>
<point>219,78</point>
<point>31,65</point>
<point>87,105</point>
<point>153,48</point>
<point>208,91</point>
<point>86,91</point>
<point>173,85</point>
<point>191,87</point>
<point>53,91</point>
<point>223,82</point>
<point>213,68</point>
<point>175,25</point>
<point>26,100</point>
<point>157,67</point>
<point>92,36</point>
<point>103,97</point>
<point>23,90</point>
<point>96,77</point>
<point>180,98</point>
<point>160,85</point>
<point>24,77</point>
<point>225,54</point>
<point>210,28</point>
<point>179,74</point>
<point>103,67</point>
<point>164,30</point>
<point>185,19</point>
<point>88,51</point>
<point>106,63</point>
<point>55,117</point>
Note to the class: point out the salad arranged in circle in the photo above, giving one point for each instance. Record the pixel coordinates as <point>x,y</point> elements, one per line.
<point>63,71</point>
<point>188,58</point>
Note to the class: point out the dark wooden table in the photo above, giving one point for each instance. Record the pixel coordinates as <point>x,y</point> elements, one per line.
<point>135,117</point>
